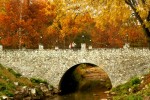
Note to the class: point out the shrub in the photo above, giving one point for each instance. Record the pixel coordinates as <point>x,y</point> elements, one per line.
<point>135,81</point>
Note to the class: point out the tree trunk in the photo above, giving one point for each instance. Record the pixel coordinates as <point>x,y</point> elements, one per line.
<point>146,30</point>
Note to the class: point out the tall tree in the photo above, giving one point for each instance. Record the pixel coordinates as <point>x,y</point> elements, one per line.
<point>141,10</point>
<point>23,23</point>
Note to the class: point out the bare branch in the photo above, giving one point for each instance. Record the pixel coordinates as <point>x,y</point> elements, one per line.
<point>133,4</point>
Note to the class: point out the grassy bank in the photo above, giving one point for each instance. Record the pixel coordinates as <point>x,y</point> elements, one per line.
<point>11,81</point>
<point>136,89</point>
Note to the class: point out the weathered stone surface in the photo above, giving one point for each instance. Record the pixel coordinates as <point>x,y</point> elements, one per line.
<point>119,64</point>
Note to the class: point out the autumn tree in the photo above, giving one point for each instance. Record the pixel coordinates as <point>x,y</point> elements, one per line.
<point>110,21</point>
<point>9,28</point>
<point>141,10</point>
<point>102,23</point>
<point>41,15</point>
<point>26,24</point>
<point>85,25</point>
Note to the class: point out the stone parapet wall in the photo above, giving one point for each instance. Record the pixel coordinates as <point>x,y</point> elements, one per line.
<point>119,64</point>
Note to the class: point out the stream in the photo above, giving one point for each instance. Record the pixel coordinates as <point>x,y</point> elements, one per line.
<point>92,83</point>
<point>94,94</point>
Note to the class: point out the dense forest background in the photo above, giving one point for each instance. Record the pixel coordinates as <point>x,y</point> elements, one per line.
<point>100,23</point>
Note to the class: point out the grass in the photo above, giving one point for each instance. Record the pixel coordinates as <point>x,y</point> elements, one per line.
<point>124,89</point>
<point>133,90</point>
<point>128,97</point>
<point>38,81</point>
<point>14,73</point>
<point>7,78</point>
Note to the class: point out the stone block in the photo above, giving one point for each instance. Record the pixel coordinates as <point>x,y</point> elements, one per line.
<point>83,46</point>
<point>1,47</point>
<point>41,47</point>
<point>56,48</point>
<point>90,47</point>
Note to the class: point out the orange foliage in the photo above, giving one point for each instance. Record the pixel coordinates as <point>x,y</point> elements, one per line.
<point>41,22</point>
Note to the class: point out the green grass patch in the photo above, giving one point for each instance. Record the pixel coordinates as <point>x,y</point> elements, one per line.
<point>124,89</point>
<point>135,81</point>
<point>123,92</point>
<point>128,97</point>
<point>134,97</point>
<point>7,89</point>
<point>8,93</point>
<point>38,81</point>
<point>7,78</point>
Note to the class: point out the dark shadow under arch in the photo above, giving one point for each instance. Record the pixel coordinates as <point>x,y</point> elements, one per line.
<point>68,82</point>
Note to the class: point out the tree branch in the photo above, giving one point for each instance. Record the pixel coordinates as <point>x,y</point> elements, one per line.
<point>128,2</point>
<point>148,17</point>
<point>147,31</point>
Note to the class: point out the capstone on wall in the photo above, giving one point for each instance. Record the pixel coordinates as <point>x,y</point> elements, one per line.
<point>119,64</point>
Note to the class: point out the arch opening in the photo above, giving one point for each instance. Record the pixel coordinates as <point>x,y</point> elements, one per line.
<point>83,77</point>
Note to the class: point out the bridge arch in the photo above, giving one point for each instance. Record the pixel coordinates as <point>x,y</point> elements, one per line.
<point>119,64</point>
<point>68,82</point>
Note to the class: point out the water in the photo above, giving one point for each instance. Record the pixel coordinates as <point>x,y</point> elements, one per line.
<point>86,95</point>
<point>92,83</point>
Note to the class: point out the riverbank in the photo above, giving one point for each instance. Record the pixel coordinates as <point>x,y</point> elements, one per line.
<point>14,86</point>
<point>138,88</point>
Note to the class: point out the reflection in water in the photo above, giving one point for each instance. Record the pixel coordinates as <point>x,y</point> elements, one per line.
<point>86,95</point>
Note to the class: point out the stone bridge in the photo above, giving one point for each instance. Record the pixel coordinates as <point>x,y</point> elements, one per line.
<point>51,65</point>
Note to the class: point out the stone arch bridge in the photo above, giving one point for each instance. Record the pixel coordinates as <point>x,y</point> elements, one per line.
<point>51,65</point>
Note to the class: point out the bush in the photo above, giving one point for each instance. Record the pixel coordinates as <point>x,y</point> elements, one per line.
<point>135,81</point>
